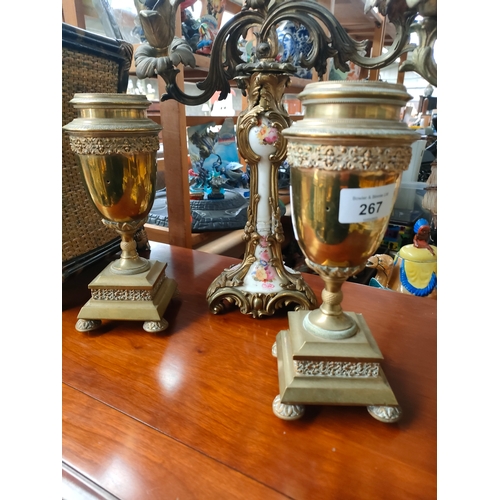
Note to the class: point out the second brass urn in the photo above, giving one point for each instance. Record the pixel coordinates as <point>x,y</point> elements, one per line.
<point>115,144</point>
<point>346,157</point>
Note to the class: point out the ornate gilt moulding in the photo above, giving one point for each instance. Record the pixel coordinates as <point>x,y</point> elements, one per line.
<point>262,283</point>
<point>113,145</point>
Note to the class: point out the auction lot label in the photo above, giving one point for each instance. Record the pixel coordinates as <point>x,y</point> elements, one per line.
<point>365,204</point>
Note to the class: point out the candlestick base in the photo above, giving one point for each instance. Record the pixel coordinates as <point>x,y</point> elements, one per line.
<point>237,286</point>
<point>319,371</point>
<point>139,297</point>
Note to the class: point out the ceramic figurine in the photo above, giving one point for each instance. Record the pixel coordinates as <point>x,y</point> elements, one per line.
<point>205,142</point>
<point>208,32</point>
<point>246,48</point>
<point>414,269</point>
<point>235,176</point>
<point>295,43</point>
<point>190,29</point>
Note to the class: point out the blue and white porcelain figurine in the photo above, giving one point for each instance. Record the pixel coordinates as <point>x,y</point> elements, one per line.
<point>295,42</point>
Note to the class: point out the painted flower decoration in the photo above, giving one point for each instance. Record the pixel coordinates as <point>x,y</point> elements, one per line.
<point>260,274</point>
<point>267,134</point>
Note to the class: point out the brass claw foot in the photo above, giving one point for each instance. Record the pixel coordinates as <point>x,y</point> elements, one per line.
<point>87,325</point>
<point>287,412</point>
<point>386,414</point>
<point>155,326</point>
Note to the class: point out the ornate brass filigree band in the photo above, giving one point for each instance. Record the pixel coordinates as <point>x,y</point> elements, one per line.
<point>337,369</point>
<point>138,294</point>
<point>349,158</point>
<point>126,227</point>
<point>114,145</point>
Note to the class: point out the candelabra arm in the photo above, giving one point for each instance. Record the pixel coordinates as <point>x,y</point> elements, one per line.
<point>224,62</point>
<point>420,17</point>
<point>327,36</point>
<point>422,61</point>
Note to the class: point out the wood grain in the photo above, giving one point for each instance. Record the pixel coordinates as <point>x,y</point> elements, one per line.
<point>131,461</point>
<point>208,383</point>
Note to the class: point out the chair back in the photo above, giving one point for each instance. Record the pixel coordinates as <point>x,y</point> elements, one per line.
<point>90,63</point>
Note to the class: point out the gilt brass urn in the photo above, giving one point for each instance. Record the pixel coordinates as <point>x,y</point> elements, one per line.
<point>346,157</point>
<point>115,145</point>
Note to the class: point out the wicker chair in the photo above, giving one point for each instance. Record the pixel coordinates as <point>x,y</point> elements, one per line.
<point>90,63</point>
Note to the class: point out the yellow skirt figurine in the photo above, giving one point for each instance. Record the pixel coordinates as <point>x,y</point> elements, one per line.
<point>414,268</point>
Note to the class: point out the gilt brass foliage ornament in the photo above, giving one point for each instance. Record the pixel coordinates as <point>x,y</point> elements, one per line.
<point>336,369</point>
<point>422,59</point>
<point>349,157</point>
<point>113,145</point>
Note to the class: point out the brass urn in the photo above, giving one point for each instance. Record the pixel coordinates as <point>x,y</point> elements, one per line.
<point>346,157</point>
<point>115,145</point>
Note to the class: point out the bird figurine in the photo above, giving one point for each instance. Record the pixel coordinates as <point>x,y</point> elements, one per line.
<point>422,235</point>
<point>384,265</point>
<point>207,31</point>
<point>235,175</point>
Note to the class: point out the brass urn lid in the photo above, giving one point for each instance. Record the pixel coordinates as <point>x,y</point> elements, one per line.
<point>353,108</point>
<point>111,112</point>
<point>355,90</point>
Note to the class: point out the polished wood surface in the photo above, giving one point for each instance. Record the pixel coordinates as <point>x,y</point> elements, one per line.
<point>187,413</point>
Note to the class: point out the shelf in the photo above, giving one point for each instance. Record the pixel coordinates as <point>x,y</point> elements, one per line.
<point>162,235</point>
<point>197,120</point>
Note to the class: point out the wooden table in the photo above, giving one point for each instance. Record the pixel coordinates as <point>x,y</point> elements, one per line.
<point>187,413</point>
